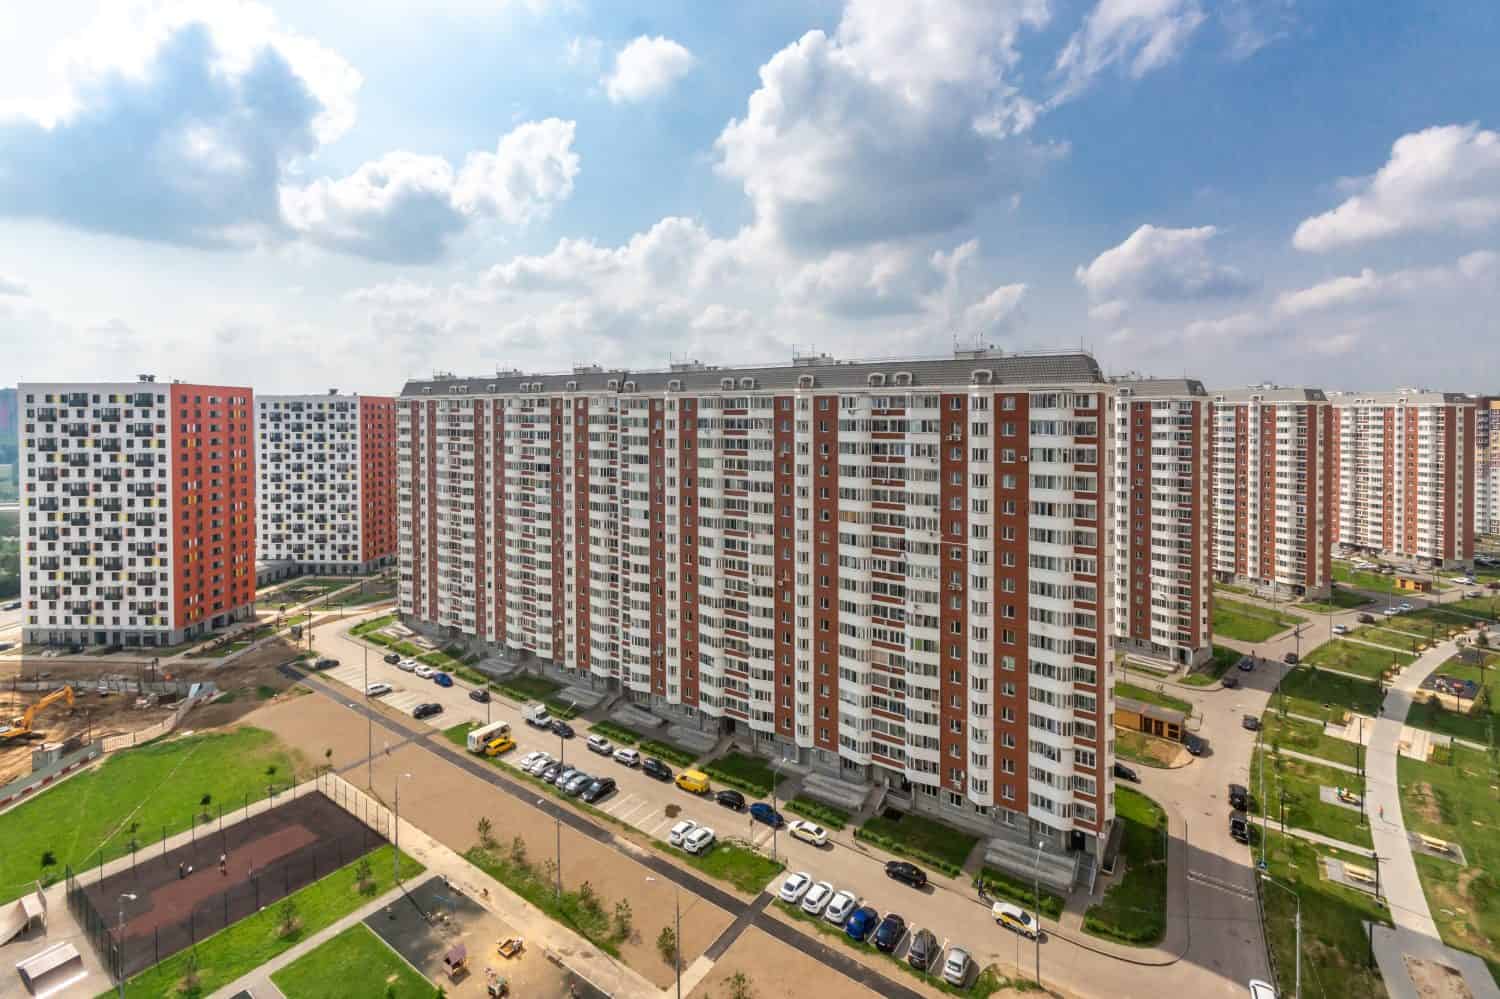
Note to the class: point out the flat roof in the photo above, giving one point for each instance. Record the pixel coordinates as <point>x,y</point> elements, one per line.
<point>1147,710</point>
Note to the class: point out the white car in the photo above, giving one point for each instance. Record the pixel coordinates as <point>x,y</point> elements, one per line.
<point>424,671</point>
<point>540,763</point>
<point>599,744</point>
<point>1404,605</point>
<point>1464,580</point>
<point>680,830</point>
<point>808,832</point>
<point>377,689</point>
<point>795,886</point>
<point>1391,611</point>
<point>1015,918</point>
<point>840,907</point>
<point>1261,990</point>
<point>817,897</point>
<point>1341,629</point>
<point>699,840</point>
<point>526,761</point>
<point>629,757</point>
<point>956,968</point>
<point>407,665</point>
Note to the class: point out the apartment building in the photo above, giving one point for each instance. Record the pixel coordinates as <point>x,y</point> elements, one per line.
<point>1160,536</point>
<point>1406,475</point>
<point>891,572</point>
<point>1275,490</point>
<point>1487,466</point>
<point>326,482</point>
<point>137,511</point>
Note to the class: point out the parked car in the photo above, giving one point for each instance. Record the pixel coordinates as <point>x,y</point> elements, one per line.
<point>923,950</point>
<point>816,899</point>
<point>1015,919</point>
<point>1341,629</point>
<point>542,762</point>
<point>479,694</point>
<point>694,781</point>
<point>1230,682</point>
<point>862,923</point>
<point>424,671</point>
<point>578,784</point>
<point>407,665</point>
<point>654,768</point>
<point>504,744</point>
<point>699,840</point>
<point>1291,659</point>
<point>1239,828</point>
<point>906,872</point>
<point>561,728</point>
<point>1122,772</point>
<point>808,832</point>
<point>840,907</point>
<point>629,757</point>
<point>1474,595</point>
<point>1366,619</point>
<point>599,744</point>
<point>426,710</point>
<point>795,886</point>
<point>602,787</point>
<point>392,657</point>
<point>550,771</point>
<point>377,689</point>
<point>1194,744</point>
<point>529,759</point>
<point>956,968</point>
<point>536,715</point>
<point>730,798</point>
<point>12,605</point>
<point>1246,664</point>
<point>561,778</point>
<point>764,813</point>
<point>1239,797</point>
<point>325,663</point>
<point>681,829</point>
<point>1251,722</point>
<point>1404,606</point>
<point>889,933</point>
<point>1261,990</point>
<point>442,679</point>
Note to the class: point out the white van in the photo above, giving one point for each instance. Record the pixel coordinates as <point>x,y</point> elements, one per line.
<point>485,734</point>
<point>536,715</point>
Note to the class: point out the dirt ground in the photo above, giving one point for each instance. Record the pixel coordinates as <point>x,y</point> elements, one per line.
<point>774,969</point>
<point>447,804</point>
<point>1437,981</point>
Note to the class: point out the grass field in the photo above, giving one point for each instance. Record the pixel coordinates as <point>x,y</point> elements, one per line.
<point>1157,697</point>
<point>1391,636</point>
<point>157,788</point>
<point>1478,725</point>
<point>1334,947</point>
<point>299,591</point>
<point>1147,750</point>
<point>1487,607</point>
<point>1247,622</point>
<point>1210,672</point>
<point>1455,797</point>
<point>751,774</point>
<point>824,815</point>
<point>1339,600</point>
<point>254,940</point>
<point>1375,582</point>
<point>1304,808</point>
<point>1305,737</point>
<point>1352,657</point>
<point>1134,908</point>
<point>1316,693</point>
<point>739,865</point>
<point>353,965</point>
<point>920,838</point>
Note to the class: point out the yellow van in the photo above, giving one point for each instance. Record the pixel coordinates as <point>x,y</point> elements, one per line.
<point>695,781</point>
<point>504,744</point>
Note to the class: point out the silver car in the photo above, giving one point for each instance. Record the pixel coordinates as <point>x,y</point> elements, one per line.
<point>956,968</point>
<point>840,907</point>
<point>816,898</point>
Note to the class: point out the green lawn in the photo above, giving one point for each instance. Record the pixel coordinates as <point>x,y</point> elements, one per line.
<point>299,591</point>
<point>1305,737</point>
<point>1134,908</point>
<point>1304,807</point>
<point>1352,657</point>
<point>1249,622</point>
<point>255,939</point>
<point>824,815</point>
<point>1316,693</point>
<point>1375,582</point>
<point>1391,637</point>
<point>741,866</point>
<point>1020,890</point>
<point>1210,672</point>
<point>1335,951</point>
<point>920,838</point>
<point>373,592</point>
<point>1486,607</point>
<point>1340,600</point>
<point>374,624</point>
<point>528,686</point>
<point>751,774</point>
<point>1147,750</point>
<point>157,786</point>
<point>1477,725</point>
<point>1455,797</point>
<point>1157,697</point>
<point>356,964</point>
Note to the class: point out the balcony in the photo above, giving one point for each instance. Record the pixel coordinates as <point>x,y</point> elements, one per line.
<point>76,400</point>
<point>78,549</point>
<point>110,534</point>
<point>74,489</point>
<point>45,444</point>
<point>110,445</point>
<point>110,505</point>
<point>143,460</point>
<point>78,460</point>
<point>110,475</point>
<point>47,534</point>
<point>77,520</point>
<point>46,505</point>
<point>143,400</point>
<point>80,578</point>
<point>47,475</point>
<point>112,564</point>
<point>141,429</point>
<point>47,415</point>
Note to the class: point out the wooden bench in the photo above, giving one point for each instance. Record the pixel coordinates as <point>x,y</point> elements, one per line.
<point>1435,844</point>
<point>1358,873</point>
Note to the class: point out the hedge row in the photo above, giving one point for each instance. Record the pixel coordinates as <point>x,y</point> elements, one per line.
<point>827,815</point>
<point>897,847</point>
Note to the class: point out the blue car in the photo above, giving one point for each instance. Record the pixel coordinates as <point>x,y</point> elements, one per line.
<point>442,679</point>
<point>862,923</point>
<point>762,812</point>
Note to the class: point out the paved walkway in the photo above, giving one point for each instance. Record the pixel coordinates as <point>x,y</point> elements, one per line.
<point>1337,844</point>
<point>1320,761</point>
<point>1393,946</point>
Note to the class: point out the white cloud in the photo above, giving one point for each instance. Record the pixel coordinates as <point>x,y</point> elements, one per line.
<point>995,311</point>
<point>1369,288</point>
<point>1251,25</point>
<point>902,123</point>
<point>1137,36</point>
<point>646,68</point>
<point>585,51</point>
<point>13,286</point>
<point>1445,177</point>
<point>1162,265</point>
<point>1108,312</point>
<point>393,294</point>
<point>404,207</point>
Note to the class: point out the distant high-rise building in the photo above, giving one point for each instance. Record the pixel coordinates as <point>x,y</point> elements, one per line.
<point>9,428</point>
<point>1159,530</point>
<point>1275,489</point>
<point>1406,474</point>
<point>326,481</point>
<point>1487,466</point>
<point>137,511</point>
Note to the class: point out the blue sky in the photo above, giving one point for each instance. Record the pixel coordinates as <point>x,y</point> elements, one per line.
<point>351,192</point>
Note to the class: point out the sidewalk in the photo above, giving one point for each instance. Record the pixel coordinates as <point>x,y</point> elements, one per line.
<point>1320,761</point>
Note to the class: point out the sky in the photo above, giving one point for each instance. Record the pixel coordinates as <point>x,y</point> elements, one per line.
<point>350,193</point>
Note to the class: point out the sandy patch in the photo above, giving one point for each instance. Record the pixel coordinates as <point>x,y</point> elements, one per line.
<point>1436,981</point>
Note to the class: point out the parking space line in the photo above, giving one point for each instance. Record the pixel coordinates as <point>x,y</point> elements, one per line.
<point>653,830</point>
<point>618,805</point>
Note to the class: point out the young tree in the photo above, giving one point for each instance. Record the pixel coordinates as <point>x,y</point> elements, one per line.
<point>288,922</point>
<point>486,830</point>
<point>740,986</point>
<point>666,944</point>
<point>364,876</point>
<point>622,919</point>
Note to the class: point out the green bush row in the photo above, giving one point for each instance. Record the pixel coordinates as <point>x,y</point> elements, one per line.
<point>748,786</point>
<point>619,733</point>
<point>668,752</point>
<point>1019,890</point>
<point>897,847</point>
<point>827,815</point>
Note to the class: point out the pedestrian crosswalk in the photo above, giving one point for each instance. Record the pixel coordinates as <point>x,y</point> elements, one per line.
<point>405,700</point>
<point>353,676</point>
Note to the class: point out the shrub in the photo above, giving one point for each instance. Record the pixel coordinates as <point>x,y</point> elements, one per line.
<point>666,944</point>
<point>827,815</point>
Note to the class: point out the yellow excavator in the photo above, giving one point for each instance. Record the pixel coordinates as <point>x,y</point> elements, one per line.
<point>21,727</point>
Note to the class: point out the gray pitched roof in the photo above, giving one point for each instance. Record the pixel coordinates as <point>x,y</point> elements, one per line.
<point>1151,388</point>
<point>1270,393</point>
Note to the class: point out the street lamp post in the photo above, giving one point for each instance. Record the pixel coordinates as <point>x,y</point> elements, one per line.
<point>1297,986</point>
<point>676,950</point>
<point>396,834</point>
<point>1036,887</point>
<point>125,896</point>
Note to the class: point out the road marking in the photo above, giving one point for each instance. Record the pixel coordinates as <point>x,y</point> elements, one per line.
<point>617,806</point>
<point>634,811</point>
<point>1212,882</point>
<point>653,830</point>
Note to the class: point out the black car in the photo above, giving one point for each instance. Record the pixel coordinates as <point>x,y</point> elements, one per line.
<point>1246,664</point>
<point>325,663</point>
<point>1122,772</point>
<point>652,767</point>
<point>1251,722</point>
<point>1195,745</point>
<point>1230,682</point>
<point>1239,797</point>
<point>1239,828</point>
<point>923,951</point>
<point>1366,619</point>
<point>1290,659</point>
<point>392,658</point>
<point>730,799</point>
<point>889,933</point>
<point>426,710</point>
<point>907,873</point>
<point>598,789</point>
<point>479,694</point>
<point>561,728</point>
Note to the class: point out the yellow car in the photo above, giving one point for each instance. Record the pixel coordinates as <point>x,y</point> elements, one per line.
<point>695,781</point>
<point>1016,919</point>
<point>503,744</point>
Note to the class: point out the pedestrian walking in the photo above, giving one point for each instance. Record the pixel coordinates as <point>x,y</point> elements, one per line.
<point>224,865</point>
<point>1382,813</point>
<point>181,870</point>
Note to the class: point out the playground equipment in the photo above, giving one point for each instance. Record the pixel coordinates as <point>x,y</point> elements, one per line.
<point>18,915</point>
<point>510,947</point>
<point>21,726</point>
